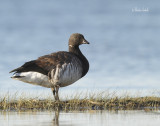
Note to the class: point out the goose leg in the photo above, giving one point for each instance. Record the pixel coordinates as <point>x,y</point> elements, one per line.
<point>57,89</point>
<point>55,92</point>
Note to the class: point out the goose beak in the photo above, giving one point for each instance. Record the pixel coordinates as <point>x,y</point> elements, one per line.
<point>85,41</point>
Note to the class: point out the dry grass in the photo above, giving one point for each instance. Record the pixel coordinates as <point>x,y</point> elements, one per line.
<point>90,101</point>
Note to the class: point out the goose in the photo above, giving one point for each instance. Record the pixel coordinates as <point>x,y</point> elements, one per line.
<point>57,69</point>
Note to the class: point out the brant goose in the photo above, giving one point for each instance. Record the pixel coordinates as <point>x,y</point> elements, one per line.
<point>56,70</point>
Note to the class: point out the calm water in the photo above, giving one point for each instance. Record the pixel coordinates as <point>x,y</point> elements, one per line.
<point>124,51</point>
<point>89,118</point>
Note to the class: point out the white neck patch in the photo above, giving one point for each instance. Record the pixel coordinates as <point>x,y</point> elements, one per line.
<point>70,46</point>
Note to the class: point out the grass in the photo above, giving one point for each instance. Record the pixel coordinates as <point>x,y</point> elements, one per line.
<point>79,101</point>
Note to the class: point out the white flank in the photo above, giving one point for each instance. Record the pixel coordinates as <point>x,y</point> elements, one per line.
<point>67,74</point>
<point>34,78</point>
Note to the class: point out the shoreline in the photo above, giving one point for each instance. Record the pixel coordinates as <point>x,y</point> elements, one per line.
<point>94,101</point>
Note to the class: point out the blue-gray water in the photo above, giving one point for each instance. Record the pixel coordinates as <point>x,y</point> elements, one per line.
<point>124,51</point>
<point>88,118</point>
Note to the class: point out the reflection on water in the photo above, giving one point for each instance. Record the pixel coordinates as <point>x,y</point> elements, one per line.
<point>87,118</point>
<point>56,118</point>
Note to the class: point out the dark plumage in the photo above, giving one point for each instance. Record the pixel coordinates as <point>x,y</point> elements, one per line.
<point>56,69</point>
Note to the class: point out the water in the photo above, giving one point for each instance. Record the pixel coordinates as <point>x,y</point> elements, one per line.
<point>87,118</point>
<point>124,50</point>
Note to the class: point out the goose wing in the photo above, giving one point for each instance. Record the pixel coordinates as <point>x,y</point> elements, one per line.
<point>45,64</point>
